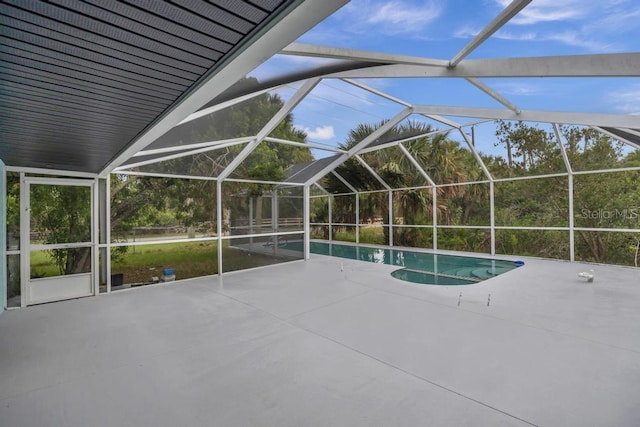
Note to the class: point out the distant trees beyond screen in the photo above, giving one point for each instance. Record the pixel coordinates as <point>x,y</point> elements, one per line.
<point>605,200</point>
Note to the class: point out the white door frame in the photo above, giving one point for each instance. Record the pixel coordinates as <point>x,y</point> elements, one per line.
<point>83,284</point>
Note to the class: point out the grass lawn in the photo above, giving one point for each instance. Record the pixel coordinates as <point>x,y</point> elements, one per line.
<point>188,259</point>
<point>368,234</point>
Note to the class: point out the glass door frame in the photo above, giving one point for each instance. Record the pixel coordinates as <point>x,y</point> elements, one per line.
<point>25,240</point>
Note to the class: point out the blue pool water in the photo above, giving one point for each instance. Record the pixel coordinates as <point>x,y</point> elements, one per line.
<point>420,267</point>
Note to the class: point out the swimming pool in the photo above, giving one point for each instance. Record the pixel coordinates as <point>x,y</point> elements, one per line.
<point>421,267</point>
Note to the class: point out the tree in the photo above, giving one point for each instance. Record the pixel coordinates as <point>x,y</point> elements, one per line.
<point>62,214</point>
<point>194,200</point>
<point>443,159</point>
<point>538,150</point>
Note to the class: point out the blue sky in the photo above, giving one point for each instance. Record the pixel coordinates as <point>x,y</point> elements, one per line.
<point>438,29</point>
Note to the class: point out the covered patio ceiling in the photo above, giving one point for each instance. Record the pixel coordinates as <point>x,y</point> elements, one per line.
<point>84,83</point>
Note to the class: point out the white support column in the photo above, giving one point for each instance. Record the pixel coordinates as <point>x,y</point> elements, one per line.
<point>330,203</point>
<point>357,195</point>
<point>434,215</point>
<point>102,227</point>
<point>492,221</point>
<point>107,234</point>
<point>567,164</point>
<point>95,232</point>
<point>24,240</point>
<point>219,224</point>
<point>572,231</point>
<point>274,217</point>
<point>251,199</point>
<point>3,238</point>
<point>307,227</point>
<point>390,217</point>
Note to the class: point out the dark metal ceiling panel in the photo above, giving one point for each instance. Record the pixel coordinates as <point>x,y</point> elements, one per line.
<point>224,30</point>
<point>141,23</point>
<point>105,57</point>
<point>630,137</point>
<point>300,173</point>
<point>19,75</point>
<point>74,78</point>
<point>92,48</point>
<point>246,10</point>
<point>80,80</point>
<point>229,18</point>
<point>14,50</point>
<point>42,24</point>
<point>26,99</point>
<point>65,102</point>
<point>86,24</point>
<point>265,4</point>
<point>77,91</point>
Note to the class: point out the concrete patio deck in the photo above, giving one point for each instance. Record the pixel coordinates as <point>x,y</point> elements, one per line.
<point>306,344</point>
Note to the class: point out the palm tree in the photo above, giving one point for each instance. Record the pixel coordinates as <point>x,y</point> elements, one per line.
<point>443,159</point>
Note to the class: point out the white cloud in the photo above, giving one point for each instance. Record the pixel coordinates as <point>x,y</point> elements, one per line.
<point>520,36</point>
<point>400,14</point>
<point>615,19</point>
<point>395,17</point>
<point>574,38</point>
<point>466,32</point>
<point>626,100</point>
<point>321,133</point>
<point>594,25</point>
<point>568,37</point>
<point>550,11</point>
<point>518,89</point>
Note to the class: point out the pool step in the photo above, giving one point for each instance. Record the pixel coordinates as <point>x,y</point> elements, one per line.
<point>441,274</point>
<point>496,271</point>
<point>475,272</point>
<point>466,272</point>
<point>483,272</point>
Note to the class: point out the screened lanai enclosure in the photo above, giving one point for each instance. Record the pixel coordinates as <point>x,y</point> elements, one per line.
<point>319,213</point>
<point>168,151</point>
